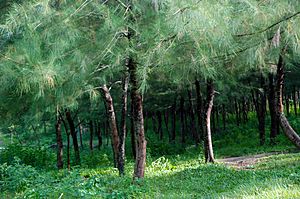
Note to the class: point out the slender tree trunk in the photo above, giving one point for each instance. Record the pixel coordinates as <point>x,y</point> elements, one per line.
<point>237,112</point>
<point>224,116</point>
<point>192,119</point>
<point>68,141</point>
<point>154,122</point>
<point>166,120</point>
<point>112,122</point>
<point>182,120</point>
<point>74,136</point>
<point>80,134</point>
<point>208,147</point>
<point>99,135</point>
<point>199,109</point>
<point>286,127</point>
<point>138,121</point>
<point>174,121</point>
<point>287,104</point>
<point>159,126</point>
<point>133,140</point>
<point>123,126</point>
<point>262,112</point>
<point>295,100</point>
<point>91,134</point>
<point>272,108</point>
<point>59,142</point>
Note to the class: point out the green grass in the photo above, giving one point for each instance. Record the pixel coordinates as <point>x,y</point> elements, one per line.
<point>172,171</point>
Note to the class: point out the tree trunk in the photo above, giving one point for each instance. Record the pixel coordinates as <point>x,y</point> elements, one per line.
<point>91,134</point>
<point>133,140</point>
<point>199,109</point>
<point>159,126</point>
<point>286,127</point>
<point>138,121</point>
<point>272,108</point>
<point>295,100</point>
<point>236,112</point>
<point>112,122</point>
<point>74,136</point>
<point>262,112</point>
<point>80,134</point>
<point>99,135</point>
<point>182,120</point>
<point>208,147</point>
<point>287,104</point>
<point>59,143</point>
<point>166,120</point>
<point>174,121</point>
<point>224,116</point>
<point>192,119</point>
<point>123,128</point>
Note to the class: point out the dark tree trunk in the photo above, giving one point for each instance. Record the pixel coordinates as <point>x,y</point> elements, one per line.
<point>287,104</point>
<point>138,121</point>
<point>159,126</point>
<point>192,119</point>
<point>112,122</point>
<point>91,134</point>
<point>174,121</point>
<point>59,143</point>
<point>236,107</point>
<point>80,134</point>
<point>153,116</point>
<point>224,116</point>
<point>245,112</point>
<point>123,128</point>
<point>99,135</point>
<point>68,141</point>
<point>286,127</point>
<point>133,140</point>
<point>208,147</point>
<point>295,100</point>
<point>181,110</point>
<point>74,136</point>
<point>272,108</point>
<point>166,120</point>
<point>262,112</point>
<point>199,109</point>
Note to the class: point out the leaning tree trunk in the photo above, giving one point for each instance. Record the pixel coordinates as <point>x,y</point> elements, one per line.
<point>138,121</point>
<point>74,136</point>
<point>272,108</point>
<point>123,128</point>
<point>111,121</point>
<point>59,142</point>
<point>286,127</point>
<point>208,147</point>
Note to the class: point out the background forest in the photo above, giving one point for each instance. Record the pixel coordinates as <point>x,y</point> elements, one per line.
<point>149,99</point>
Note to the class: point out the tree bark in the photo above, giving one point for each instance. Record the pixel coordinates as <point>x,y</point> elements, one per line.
<point>166,120</point>
<point>192,120</point>
<point>133,140</point>
<point>208,147</point>
<point>111,122</point>
<point>174,121</point>
<point>199,109</point>
<point>182,120</point>
<point>295,100</point>
<point>74,136</point>
<point>286,127</point>
<point>91,134</point>
<point>138,121</point>
<point>80,134</point>
<point>59,142</point>
<point>287,104</point>
<point>272,108</point>
<point>159,126</point>
<point>99,135</point>
<point>123,128</point>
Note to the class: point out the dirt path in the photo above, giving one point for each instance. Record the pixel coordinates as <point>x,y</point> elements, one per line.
<point>245,162</point>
